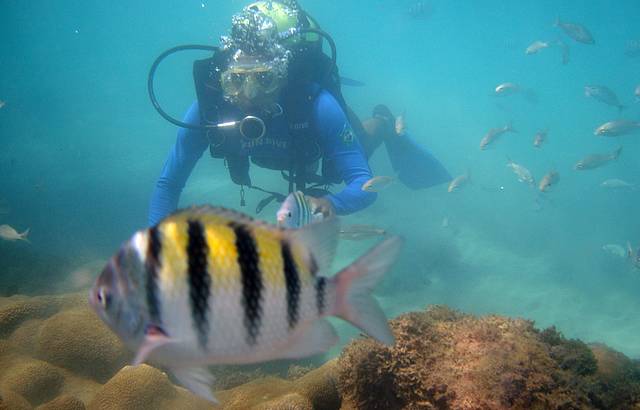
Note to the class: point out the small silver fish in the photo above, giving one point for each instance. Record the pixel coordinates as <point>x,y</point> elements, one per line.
<point>360,232</point>
<point>617,128</point>
<point>400,125</point>
<point>213,286</point>
<point>2,104</point>
<point>634,256</point>
<point>576,31</point>
<point>547,181</point>
<point>615,183</point>
<point>459,181</point>
<point>376,184</point>
<point>633,48</point>
<point>637,93</point>
<point>536,46</point>
<point>615,250</point>
<point>420,10</point>
<point>8,233</point>
<point>5,208</point>
<point>297,211</point>
<point>507,89</point>
<point>540,138</point>
<point>597,160</point>
<point>603,94</point>
<point>493,134</point>
<point>524,175</point>
<point>565,51</point>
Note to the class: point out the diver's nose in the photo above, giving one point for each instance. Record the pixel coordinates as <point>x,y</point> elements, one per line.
<point>250,89</point>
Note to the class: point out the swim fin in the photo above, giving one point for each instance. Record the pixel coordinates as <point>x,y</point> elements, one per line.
<point>416,166</point>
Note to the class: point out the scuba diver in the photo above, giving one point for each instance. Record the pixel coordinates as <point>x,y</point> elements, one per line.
<point>270,96</point>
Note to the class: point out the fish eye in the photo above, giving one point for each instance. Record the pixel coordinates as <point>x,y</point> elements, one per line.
<point>289,214</point>
<point>104,297</point>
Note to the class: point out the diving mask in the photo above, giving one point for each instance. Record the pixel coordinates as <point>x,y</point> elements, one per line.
<point>249,80</point>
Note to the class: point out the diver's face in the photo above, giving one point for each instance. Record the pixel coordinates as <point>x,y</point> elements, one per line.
<point>250,88</point>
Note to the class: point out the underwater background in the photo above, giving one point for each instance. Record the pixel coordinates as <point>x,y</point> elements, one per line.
<point>81,147</point>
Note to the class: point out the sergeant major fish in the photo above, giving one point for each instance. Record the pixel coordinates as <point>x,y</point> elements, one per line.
<point>297,211</point>
<point>213,286</point>
<point>603,94</point>
<point>547,181</point>
<point>493,134</point>
<point>617,128</point>
<point>576,31</point>
<point>8,233</point>
<point>597,160</point>
<point>524,175</point>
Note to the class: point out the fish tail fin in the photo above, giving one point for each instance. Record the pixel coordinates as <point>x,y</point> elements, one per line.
<point>617,152</point>
<point>354,284</point>
<point>24,234</point>
<point>509,127</point>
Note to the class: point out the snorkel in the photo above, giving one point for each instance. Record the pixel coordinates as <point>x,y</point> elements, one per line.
<point>266,42</point>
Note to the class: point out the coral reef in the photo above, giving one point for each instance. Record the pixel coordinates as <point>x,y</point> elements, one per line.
<point>144,387</point>
<point>56,354</point>
<point>77,340</point>
<point>444,359</point>
<point>316,390</point>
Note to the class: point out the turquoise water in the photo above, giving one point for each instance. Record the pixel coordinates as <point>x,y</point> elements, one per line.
<point>82,147</point>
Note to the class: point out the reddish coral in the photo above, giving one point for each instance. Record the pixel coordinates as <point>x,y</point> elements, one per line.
<point>443,359</point>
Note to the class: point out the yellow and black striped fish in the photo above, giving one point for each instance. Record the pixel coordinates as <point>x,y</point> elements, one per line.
<point>212,286</point>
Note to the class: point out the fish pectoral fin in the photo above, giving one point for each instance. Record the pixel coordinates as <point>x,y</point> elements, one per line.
<point>321,239</point>
<point>315,340</point>
<point>154,338</point>
<point>198,380</point>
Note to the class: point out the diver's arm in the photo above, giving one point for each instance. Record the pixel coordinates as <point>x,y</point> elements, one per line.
<point>184,155</point>
<point>344,154</point>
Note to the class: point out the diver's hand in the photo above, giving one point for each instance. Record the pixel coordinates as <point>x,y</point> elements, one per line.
<point>321,206</point>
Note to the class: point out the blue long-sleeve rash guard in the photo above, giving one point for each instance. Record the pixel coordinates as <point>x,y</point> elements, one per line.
<point>336,139</point>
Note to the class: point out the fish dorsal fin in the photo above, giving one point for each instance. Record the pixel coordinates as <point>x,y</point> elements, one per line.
<point>224,215</point>
<point>320,240</point>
